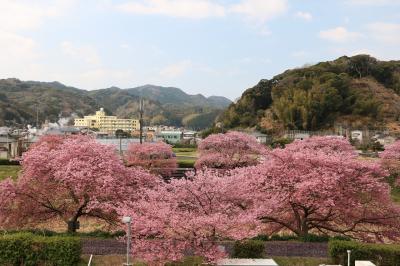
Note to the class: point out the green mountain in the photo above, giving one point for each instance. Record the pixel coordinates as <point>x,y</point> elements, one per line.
<point>354,91</point>
<point>175,96</point>
<point>22,101</point>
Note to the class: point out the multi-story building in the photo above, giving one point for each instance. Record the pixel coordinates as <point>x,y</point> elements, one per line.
<point>105,123</point>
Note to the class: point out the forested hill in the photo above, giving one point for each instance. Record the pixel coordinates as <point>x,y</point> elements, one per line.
<point>354,91</point>
<point>21,101</point>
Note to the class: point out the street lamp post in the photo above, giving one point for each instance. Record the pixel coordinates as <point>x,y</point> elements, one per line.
<point>128,220</point>
<point>348,257</point>
<point>141,121</point>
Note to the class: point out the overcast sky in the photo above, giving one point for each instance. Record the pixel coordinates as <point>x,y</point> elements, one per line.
<point>213,47</point>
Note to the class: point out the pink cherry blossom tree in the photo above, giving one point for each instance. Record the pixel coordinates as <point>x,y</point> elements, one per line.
<point>303,190</point>
<point>189,216</point>
<point>156,157</point>
<point>390,159</point>
<point>229,151</point>
<point>335,145</point>
<point>68,178</point>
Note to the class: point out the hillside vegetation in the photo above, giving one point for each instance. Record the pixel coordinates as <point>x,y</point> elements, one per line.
<point>22,101</point>
<point>353,91</point>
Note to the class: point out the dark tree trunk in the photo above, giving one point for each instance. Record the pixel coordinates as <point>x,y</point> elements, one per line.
<point>72,225</point>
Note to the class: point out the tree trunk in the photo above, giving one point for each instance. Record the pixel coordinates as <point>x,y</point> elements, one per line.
<point>303,233</point>
<point>72,225</point>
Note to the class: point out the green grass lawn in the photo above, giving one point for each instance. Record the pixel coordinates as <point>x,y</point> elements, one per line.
<point>186,163</point>
<point>185,152</point>
<point>9,170</point>
<point>186,156</point>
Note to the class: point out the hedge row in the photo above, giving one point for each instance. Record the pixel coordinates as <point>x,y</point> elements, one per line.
<point>8,162</point>
<point>30,250</point>
<point>260,249</point>
<point>308,238</point>
<point>380,254</point>
<point>186,164</point>
<point>46,232</point>
<point>249,249</point>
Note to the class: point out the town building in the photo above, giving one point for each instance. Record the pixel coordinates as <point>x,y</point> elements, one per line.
<point>105,123</point>
<point>121,144</point>
<point>8,147</point>
<point>188,135</point>
<point>384,139</point>
<point>171,137</point>
<point>357,135</point>
<point>12,146</point>
<point>298,134</point>
<point>260,137</point>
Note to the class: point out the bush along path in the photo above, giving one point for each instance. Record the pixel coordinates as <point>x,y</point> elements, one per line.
<point>28,249</point>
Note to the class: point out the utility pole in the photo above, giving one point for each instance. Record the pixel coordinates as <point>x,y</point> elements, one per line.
<point>37,116</point>
<point>120,145</point>
<point>141,120</point>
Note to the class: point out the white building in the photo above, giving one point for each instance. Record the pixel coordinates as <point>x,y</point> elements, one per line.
<point>260,137</point>
<point>357,135</point>
<point>384,139</point>
<point>120,144</point>
<point>189,134</point>
<point>105,123</point>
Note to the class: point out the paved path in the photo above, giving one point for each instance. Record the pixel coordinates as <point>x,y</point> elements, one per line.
<point>97,246</point>
<point>296,249</point>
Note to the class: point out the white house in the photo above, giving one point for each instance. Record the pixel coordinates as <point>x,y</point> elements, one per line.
<point>8,147</point>
<point>261,138</point>
<point>384,139</point>
<point>357,135</point>
<point>189,134</point>
<point>301,136</point>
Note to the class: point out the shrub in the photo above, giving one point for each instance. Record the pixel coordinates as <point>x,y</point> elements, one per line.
<point>249,249</point>
<point>46,232</point>
<point>186,164</point>
<point>380,254</point>
<point>38,232</point>
<point>184,145</point>
<point>261,237</point>
<point>8,162</point>
<point>28,249</point>
<point>314,238</point>
<point>103,234</point>
<point>281,142</point>
<point>308,238</point>
<point>283,237</point>
<point>343,238</point>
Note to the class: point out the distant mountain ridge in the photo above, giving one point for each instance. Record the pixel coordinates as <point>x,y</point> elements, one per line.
<point>20,100</point>
<point>173,95</point>
<point>356,92</point>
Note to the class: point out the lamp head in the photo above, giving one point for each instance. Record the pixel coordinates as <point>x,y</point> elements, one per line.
<point>126,219</point>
